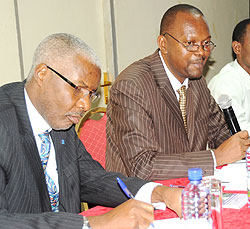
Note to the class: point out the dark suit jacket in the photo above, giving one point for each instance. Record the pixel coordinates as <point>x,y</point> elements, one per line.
<point>145,131</point>
<point>24,200</point>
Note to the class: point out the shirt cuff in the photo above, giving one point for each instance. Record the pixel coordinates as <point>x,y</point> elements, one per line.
<point>145,192</point>
<point>86,224</point>
<point>215,165</point>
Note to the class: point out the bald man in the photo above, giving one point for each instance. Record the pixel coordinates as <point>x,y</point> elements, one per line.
<point>161,116</point>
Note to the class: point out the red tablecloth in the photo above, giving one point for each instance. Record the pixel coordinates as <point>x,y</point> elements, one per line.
<point>233,218</point>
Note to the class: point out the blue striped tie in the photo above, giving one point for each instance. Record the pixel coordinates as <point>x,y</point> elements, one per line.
<point>44,155</point>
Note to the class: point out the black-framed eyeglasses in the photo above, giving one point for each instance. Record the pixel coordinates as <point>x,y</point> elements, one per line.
<point>79,91</point>
<point>208,46</point>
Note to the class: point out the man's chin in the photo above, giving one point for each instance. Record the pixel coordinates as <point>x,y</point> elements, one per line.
<point>62,127</point>
<point>195,75</point>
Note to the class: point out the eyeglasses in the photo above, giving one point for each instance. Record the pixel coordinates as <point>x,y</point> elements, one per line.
<point>208,46</point>
<point>79,91</point>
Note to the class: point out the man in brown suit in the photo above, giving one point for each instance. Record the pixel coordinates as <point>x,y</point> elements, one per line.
<point>146,132</point>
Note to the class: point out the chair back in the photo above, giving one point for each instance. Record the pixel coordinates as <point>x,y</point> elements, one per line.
<point>92,133</point>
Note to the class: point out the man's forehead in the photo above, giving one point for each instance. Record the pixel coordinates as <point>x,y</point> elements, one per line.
<point>186,18</point>
<point>188,23</point>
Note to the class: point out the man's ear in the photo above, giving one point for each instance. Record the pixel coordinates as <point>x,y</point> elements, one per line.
<point>40,73</point>
<point>236,47</point>
<point>162,44</point>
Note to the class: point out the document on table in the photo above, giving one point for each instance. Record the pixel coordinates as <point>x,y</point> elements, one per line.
<point>177,223</point>
<point>167,223</point>
<point>234,200</point>
<point>233,176</point>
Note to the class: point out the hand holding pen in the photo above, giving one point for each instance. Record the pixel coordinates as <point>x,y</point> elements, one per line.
<point>128,193</point>
<point>131,214</point>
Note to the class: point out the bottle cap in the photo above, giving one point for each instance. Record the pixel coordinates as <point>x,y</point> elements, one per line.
<point>195,174</point>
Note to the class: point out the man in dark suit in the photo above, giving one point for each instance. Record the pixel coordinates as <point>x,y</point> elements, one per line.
<point>148,135</point>
<point>45,171</point>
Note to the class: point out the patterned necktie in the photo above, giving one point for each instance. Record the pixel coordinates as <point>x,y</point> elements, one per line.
<point>182,103</point>
<point>44,155</point>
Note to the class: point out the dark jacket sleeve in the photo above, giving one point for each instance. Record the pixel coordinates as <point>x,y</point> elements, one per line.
<point>18,210</point>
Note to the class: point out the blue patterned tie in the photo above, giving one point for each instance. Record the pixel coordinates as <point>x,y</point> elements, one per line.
<point>44,155</point>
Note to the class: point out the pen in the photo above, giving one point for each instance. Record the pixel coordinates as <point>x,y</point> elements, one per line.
<point>124,188</point>
<point>127,192</point>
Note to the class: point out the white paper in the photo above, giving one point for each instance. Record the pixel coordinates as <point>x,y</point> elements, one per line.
<point>234,200</point>
<point>233,176</point>
<point>177,223</point>
<point>167,223</point>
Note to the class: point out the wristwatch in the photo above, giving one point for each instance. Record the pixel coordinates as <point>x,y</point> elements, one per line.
<point>86,224</point>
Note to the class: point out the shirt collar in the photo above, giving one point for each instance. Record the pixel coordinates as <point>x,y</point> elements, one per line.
<point>242,70</point>
<point>38,124</point>
<point>174,82</point>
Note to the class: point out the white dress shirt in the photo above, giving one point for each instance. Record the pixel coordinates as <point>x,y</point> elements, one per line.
<point>234,81</point>
<point>176,85</point>
<point>39,125</point>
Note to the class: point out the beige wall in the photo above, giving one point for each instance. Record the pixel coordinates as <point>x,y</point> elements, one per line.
<point>136,26</point>
<point>9,59</point>
<point>39,18</point>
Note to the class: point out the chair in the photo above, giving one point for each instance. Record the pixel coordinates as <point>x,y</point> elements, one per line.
<point>92,132</point>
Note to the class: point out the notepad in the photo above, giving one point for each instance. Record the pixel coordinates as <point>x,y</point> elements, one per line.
<point>234,200</point>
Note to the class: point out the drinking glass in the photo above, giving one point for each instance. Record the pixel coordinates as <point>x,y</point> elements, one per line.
<point>214,185</point>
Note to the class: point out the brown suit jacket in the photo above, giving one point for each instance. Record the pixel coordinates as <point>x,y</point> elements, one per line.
<point>145,131</point>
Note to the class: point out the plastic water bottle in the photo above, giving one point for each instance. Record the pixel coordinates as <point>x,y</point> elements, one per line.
<point>196,203</point>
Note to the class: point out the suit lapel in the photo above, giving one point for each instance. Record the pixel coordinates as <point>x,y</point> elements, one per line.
<point>190,109</point>
<point>32,157</point>
<point>67,168</point>
<point>58,138</point>
<point>29,145</point>
<point>166,88</point>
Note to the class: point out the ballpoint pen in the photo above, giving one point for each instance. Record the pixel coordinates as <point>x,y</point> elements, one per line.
<point>127,192</point>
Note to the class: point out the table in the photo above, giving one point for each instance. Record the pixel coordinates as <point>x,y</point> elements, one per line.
<point>232,218</point>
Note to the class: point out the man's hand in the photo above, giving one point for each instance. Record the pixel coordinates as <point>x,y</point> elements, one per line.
<point>171,197</point>
<point>233,149</point>
<point>131,214</point>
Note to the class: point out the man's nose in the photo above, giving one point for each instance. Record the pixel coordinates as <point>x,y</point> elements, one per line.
<point>84,103</point>
<point>201,50</point>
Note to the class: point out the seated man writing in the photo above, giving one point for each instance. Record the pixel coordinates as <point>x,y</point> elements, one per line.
<point>45,171</point>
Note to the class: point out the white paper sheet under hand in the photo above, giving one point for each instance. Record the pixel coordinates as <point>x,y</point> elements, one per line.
<point>233,176</point>
<point>177,223</point>
<point>167,223</point>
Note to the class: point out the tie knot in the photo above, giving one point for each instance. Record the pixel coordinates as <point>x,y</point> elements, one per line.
<point>44,136</point>
<point>182,90</point>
